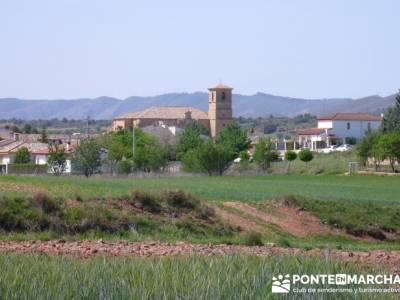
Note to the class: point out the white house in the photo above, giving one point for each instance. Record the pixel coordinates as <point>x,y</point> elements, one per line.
<point>38,151</point>
<point>338,128</point>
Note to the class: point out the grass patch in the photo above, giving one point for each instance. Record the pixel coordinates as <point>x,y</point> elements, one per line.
<point>222,277</point>
<point>256,188</point>
<point>356,218</point>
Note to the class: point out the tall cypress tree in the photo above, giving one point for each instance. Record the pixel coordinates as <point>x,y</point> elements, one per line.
<point>391,121</point>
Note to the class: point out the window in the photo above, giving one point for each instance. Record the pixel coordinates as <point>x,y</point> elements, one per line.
<point>369,126</point>
<point>348,125</point>
<point>223,96</point>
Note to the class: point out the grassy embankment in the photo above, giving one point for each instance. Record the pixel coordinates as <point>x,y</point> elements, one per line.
<point>361,206</point>
<point>229,277</point>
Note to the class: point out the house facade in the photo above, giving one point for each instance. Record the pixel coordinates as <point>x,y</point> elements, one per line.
<point>338,128</point>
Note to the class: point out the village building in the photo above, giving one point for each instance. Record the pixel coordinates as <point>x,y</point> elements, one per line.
<point>338,128</point>
<point>38,151</point>
<point>218,116</point>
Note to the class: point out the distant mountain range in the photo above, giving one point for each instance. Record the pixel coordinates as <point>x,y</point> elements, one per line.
<point>257,105</point>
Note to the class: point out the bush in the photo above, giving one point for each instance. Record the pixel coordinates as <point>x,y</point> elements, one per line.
<point>290,156</point>
<point>45,203</point>
<point>146,201</point>
<point>22,156</point>
<point>253,238</point>
<point>306,156</point>
<point>180,199</point>
<point>124,166</point>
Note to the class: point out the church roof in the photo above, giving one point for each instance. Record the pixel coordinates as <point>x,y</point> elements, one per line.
<point>221,87</point>
<point>166,112</point>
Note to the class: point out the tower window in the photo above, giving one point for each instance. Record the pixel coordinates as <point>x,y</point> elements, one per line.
<point>348,125</point>
<point>223,96</point>
<point>369,126</point>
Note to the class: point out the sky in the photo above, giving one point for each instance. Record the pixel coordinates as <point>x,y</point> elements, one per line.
<point>120,48</point>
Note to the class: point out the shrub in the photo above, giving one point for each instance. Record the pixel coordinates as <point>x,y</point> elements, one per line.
<point>180,199</point>
<point>45,203</point>
<point>206,212</point>
<point>253,238</point>
<point>306,155</point>
<point>290,156</point>
<point>22,156</point>
<point>18,214</point>
<point>146,201</point>
<point>124,166</point>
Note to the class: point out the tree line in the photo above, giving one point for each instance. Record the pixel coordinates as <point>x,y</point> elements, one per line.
<point>384,143</point>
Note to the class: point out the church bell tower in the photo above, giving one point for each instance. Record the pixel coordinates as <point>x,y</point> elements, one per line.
<point>219,108</point>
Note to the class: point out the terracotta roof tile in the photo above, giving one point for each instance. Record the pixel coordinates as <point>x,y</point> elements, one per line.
<point>221,87</point>
<point>311,131</point>
<point>166,112</point>
<point>351,117</point>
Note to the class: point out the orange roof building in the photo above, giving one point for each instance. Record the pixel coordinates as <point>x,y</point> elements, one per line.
<point>218,116</point>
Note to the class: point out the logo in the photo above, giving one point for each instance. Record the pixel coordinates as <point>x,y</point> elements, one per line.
<point>281,284</point>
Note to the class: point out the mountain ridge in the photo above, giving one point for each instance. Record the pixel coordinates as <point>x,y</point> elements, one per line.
<point>256,105</point>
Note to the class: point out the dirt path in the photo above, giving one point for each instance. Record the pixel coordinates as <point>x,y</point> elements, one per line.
<point>289,218</point>
<point>236,220</point>
<point>87,249</point>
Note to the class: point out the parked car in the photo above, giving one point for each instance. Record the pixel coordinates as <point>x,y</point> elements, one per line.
<point>344,148</point>
<point>329,149</point>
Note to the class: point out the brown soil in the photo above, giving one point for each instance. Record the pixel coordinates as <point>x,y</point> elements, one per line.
<point>288,218</point>
<point>87,249</point>
<point>238,221</point>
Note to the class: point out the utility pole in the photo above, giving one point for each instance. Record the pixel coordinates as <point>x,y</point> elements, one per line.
<point>87,126</point>
<point>133,142</point>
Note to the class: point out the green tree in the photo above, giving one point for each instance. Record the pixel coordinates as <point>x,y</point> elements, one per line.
<point>391,121</point>
<point>57,159</point>
<point>306,156</point>
<point>22,156</point>
<point>43,136</point>
<point>86,158</point>
<point>214,158</point>
<point>264,154</point>
<point>290,156</point>
<point>234,137</point>
<point>364,148</point>
<point>149,154</point>
<point>189,139</point>
<point>389,147</point>
<point>244,163</point>
<point>191,162</point>
<point>124,166</point>
<point>378,155</point>
<point>198,127</point>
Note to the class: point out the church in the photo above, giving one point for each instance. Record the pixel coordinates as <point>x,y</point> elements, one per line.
<point>219,113</point>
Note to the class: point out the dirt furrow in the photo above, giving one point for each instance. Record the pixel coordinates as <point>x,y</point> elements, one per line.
<point>290,219</point>
<point>88,249</point>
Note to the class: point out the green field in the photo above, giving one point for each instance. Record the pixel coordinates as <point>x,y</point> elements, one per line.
<point>228,277</point>
<point>257,188</point>
<point>366,206</point>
